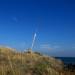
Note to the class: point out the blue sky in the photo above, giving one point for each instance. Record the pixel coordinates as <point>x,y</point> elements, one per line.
<point>52,20</point>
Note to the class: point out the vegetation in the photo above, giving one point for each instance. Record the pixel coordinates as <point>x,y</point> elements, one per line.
<point>28,63</point>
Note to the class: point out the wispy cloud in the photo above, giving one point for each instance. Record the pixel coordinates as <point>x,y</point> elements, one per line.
<point>49,46</point>
<point>15,19</point>
<point>46,46</point>
<point>73,47</point>
<point>56,46</point>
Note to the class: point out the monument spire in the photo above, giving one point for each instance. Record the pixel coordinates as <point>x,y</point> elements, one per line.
<point>34,37</point>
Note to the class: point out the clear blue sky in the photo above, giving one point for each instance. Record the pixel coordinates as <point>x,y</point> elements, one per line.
<point>52,20</point>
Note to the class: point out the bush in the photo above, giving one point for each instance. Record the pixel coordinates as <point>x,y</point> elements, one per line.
<point>40,69</point>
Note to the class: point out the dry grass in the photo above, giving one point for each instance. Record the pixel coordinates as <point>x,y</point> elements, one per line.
<point>17,63</point>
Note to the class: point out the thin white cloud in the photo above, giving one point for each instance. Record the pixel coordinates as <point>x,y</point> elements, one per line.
<point>15,19</point>
<point>49,47</point>
<point>73,47</point>
<point>46,46</point>
<point>56,47</point>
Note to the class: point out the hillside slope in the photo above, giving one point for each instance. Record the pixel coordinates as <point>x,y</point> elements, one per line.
<point>28,63</point>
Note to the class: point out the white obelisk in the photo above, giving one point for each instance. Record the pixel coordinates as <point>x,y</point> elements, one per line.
<point>34,37</point>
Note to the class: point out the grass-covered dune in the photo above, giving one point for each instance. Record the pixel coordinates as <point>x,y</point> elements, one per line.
<point>28,63</point>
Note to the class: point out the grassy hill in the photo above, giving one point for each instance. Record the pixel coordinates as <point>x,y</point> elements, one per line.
<point>28,63</point>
